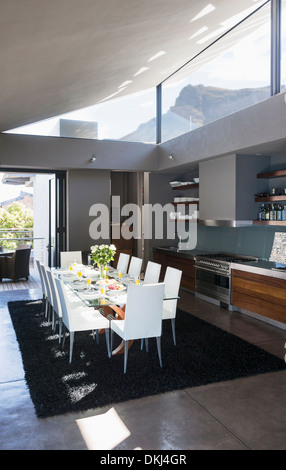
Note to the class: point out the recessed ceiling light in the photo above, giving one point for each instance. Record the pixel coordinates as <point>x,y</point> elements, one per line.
<point>156,56</point>
<point>143,69</point>
<point>200,31</point>
<point>205,11</point>
<point>125,83</point>
<point>211,35</point>
<point>111,96</point>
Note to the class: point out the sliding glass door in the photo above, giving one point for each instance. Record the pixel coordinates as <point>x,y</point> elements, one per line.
<point>57,218</point>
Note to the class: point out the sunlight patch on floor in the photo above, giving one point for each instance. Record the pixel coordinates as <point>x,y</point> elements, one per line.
<point>103,432</point>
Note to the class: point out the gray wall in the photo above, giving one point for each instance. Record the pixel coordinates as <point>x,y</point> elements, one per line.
<point>85,188</point>
<point>60,153</point>
<point>260,124</point>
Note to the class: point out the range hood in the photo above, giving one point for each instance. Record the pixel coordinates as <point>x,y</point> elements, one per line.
<point>228,186</point>
<point>226,223</point>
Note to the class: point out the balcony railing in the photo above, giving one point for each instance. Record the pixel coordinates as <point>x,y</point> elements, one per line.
<point>11,239</point>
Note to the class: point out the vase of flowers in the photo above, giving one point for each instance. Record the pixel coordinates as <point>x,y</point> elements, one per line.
<point>102,255</point>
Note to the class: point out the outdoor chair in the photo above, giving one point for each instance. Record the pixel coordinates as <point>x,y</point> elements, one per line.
<point>16,266</point>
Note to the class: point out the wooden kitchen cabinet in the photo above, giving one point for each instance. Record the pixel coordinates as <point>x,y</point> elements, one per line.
<point>186,265</point>
<point>260,294</point>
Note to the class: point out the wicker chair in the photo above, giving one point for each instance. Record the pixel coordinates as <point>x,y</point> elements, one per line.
<point>15,266</point>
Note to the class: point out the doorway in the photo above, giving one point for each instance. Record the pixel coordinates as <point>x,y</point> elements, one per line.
<point>42,194</point>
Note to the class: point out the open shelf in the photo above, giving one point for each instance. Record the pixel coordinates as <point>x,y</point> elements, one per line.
<point>270,199</point>
<point>272,174</point>
<point>186,186</point>
<point>270,222</point>
<point>187,203</point>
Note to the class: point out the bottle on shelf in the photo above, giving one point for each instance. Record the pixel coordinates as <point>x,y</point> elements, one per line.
<point>283,213</point>
<point>272,212</point>
<point>261,212</point>
<point>267,213</point>
<point>279,212</point>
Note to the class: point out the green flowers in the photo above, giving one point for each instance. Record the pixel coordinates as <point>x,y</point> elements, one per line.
<point>102,254</point>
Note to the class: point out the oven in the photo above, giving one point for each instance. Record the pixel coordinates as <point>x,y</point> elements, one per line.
<point>212,279</point>
<point>213,275</point>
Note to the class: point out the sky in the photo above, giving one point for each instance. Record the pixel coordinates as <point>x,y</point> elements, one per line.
<point>8,191</point>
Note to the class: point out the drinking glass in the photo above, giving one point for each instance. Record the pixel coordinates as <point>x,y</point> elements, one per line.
<point>102,292</point>
<point>120,274</point>
<point>137,280</point>
<point>79,273</point>
<point>71,267</point>
<point>88,281</point>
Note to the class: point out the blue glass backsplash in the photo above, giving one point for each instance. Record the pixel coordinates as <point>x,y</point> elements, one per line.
<point>254,241</point>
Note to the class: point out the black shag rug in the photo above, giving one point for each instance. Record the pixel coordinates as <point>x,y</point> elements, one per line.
<point>204,354</point>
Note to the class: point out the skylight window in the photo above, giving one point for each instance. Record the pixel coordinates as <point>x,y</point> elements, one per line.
<point>205,11</point>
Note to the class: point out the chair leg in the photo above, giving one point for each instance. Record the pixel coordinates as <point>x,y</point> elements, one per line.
<point>158,339</point>
<point>125,355</point>
<point>173,330</point>
<point>97,336</point>
<point>60,329</point>
<point>46,308</point>
<point>111,339</point>
<point>53,320</point>
<point>64,335</point>
<point>71,344</point>
<point>107,341</point>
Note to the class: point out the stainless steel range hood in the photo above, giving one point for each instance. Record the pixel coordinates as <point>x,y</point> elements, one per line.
<point>228,186</point>
<point>226,223</point>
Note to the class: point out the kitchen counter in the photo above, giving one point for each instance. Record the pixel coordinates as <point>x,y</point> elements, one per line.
<point>172,250</point>
<point>262,267</point>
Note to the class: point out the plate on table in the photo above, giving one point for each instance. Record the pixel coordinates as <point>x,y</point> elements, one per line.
<point>89,294</point>
<point>106,282</point>
<point>116,287</point>
<point>79,287</point>
<point>67,277</point>
<point>62,271</point>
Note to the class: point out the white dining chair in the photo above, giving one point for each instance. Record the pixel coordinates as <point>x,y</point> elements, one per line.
<point>152,273</point>
<point>80,319</point>
<point>69,257</point>
<point>122,263</point>
<point>172,281</point>
<point>44,291</point>
<point>143,317</point>
<point>48,309</point>
<point>56,304</point>
<point>135,265</point>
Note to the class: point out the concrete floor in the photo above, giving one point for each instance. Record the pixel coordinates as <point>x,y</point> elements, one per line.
<point>242,414</point>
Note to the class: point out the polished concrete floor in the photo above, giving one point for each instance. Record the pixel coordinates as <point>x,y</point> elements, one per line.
<point>243,414</point>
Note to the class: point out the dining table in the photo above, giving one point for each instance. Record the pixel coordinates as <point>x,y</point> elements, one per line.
<point>108,295</point>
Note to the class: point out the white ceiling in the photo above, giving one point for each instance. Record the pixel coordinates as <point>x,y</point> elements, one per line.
<point>57,56</point>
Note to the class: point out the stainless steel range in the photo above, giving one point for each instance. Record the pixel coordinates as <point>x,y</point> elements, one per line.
<point>213,274</point>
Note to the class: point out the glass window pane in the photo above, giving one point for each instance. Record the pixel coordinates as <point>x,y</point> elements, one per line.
<point>130,118</point>
<point>283,45</point>
<point>230,75</point>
